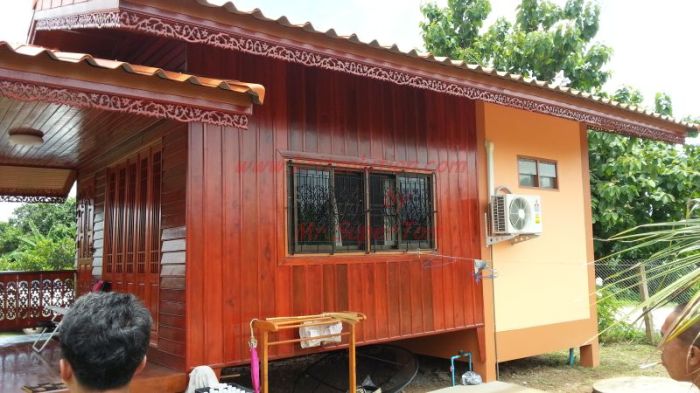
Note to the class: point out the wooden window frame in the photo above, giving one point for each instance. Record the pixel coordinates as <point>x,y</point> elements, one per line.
<point>366,170</point>
<point>537,161</point>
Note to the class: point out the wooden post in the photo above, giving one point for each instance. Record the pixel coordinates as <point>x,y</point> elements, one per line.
<point>266,388</point>
<point>644,292</point>
<point>352,387</point>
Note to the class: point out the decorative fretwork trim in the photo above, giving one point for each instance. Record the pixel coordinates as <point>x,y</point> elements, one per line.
<point>222,39</point>
<point>30,92</point>
<point>31,198</point>
<point>97,20</point>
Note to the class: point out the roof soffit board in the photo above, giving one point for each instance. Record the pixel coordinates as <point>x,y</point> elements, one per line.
<point>34,184</point>
<point>253,33</point>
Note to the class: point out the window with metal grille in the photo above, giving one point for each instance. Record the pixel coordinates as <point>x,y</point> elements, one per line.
<point>534,172</point>
<point>334,210</point>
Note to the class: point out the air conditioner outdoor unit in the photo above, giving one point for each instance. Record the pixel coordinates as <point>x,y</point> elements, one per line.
<point>513,214</point>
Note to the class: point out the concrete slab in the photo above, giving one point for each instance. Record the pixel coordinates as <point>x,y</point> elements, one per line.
<point>642,385</point>
<point>491,387</point>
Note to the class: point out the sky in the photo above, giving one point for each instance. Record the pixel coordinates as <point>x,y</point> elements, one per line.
<point>654,42</point>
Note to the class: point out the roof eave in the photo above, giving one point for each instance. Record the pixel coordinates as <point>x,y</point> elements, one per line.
<point>87,83</point>
<point>282,40</point>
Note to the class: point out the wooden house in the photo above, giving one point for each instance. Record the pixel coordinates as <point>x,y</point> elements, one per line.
<point>356,179</point>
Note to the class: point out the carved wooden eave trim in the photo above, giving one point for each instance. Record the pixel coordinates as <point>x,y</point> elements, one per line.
<point>248,43</point>
<point>99,20</point>
<point>17,196</point>
<point>24,91</point>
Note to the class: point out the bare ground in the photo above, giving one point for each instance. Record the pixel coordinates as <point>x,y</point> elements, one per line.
<point>550,372</point>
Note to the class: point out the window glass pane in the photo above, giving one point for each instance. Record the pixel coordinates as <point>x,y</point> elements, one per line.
<point>312,210</point>
<point>527,167</point>
<point>415,211</point>
<point>548,169</point>
<point>548,182</point>
<point>350,228</point>
<point>527,180</point>
<point>383,206</point>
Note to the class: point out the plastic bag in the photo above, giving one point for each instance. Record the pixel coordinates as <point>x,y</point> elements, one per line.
<point>471,378</point>
<point>318,331</point>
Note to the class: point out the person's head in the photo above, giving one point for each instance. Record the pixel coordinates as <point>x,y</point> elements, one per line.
<point>104,338</point>
<point>681,356</point>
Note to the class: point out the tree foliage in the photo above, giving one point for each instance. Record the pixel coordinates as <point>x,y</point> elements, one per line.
<point>636,182</point>
<point>544,42</point>
<point>663,104</point>
<point>39,237</point>
<point>628,95</point>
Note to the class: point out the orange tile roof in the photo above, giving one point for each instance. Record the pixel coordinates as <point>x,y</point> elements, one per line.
<point>353,38</point>
<point>255,92</point>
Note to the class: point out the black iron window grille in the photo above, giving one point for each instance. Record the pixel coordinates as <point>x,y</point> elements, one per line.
<point>334,210</point>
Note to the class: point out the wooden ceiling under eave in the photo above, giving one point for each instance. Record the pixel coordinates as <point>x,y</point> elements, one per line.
<point>35,184</point>
<point>71,135</point>
<point>82,106</point>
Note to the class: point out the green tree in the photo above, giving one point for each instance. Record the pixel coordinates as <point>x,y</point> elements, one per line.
<point>663,104</point>
<point>44,216</point>
<point>636,181</point>
<point>628,95</point>
<point>544,42</point>
<point>39,237</point>
<point>9,238</point>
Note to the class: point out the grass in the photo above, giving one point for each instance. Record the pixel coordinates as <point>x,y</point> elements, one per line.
<point>550,372</point>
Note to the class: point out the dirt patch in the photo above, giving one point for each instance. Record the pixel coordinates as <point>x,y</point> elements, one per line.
<point>550,372</point>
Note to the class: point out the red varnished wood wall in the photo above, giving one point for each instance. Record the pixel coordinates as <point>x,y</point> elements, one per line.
<point>237,266</point>
<point>168,348</point>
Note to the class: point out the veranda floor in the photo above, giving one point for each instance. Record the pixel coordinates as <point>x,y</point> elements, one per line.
<point>20,366</point>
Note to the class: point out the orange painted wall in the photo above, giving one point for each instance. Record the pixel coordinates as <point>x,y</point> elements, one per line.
<point>543,281</point>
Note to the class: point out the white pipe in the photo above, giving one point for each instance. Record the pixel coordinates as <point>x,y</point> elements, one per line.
<point>489,168</point>
<point>490,181</point>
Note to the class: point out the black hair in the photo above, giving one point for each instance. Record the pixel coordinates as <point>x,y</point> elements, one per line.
<point>104,337</point>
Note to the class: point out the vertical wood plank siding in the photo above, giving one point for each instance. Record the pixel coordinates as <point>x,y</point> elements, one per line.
<point>170,350</point>
<point>237,268</point>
